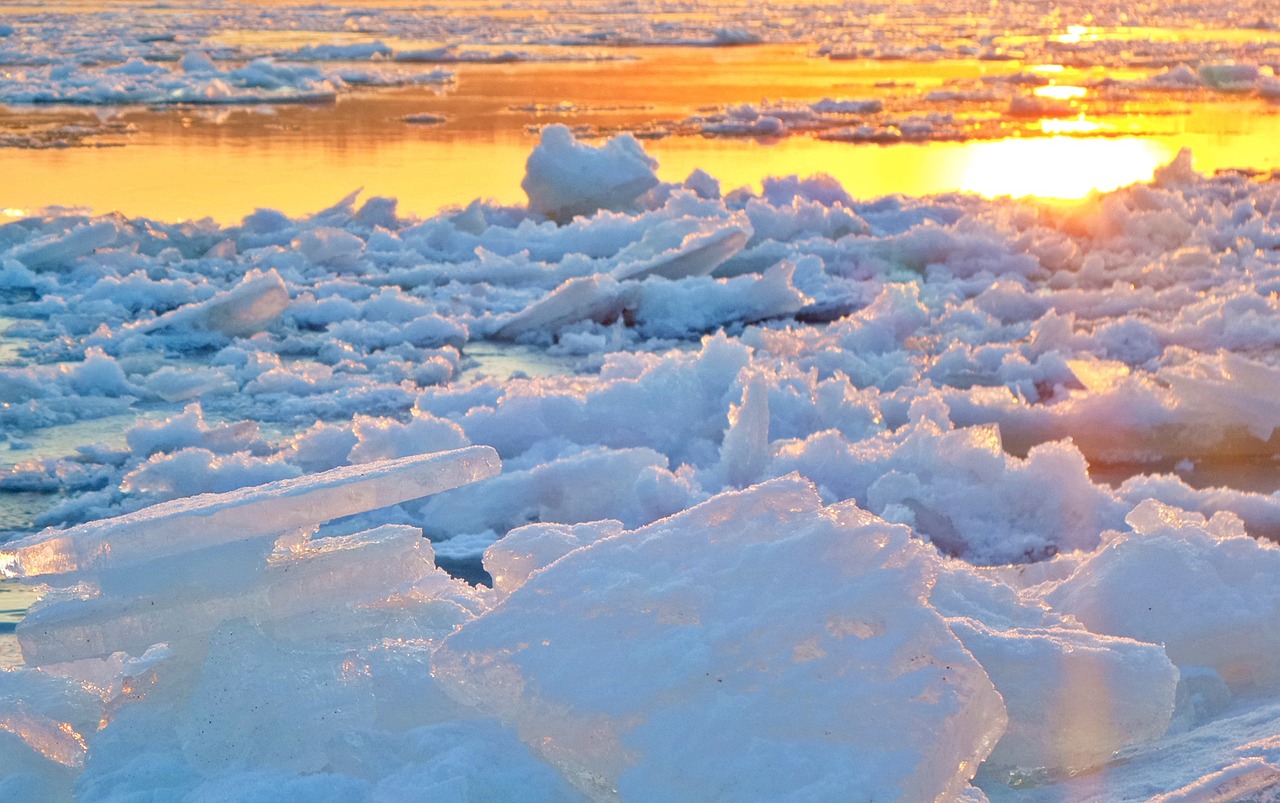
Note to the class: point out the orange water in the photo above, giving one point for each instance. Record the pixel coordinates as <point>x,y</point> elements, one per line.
<point>225,162</point>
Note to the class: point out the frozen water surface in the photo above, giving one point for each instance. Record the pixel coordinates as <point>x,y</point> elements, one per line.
<point>763,447</point>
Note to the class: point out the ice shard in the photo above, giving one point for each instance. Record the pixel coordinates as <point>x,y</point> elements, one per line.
<point>274,508</point>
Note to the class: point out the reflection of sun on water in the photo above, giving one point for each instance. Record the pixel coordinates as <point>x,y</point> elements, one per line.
<point>1060,167</point>
<point>1059,92</point>
<point>1075,35</point>
<point>1077,126</point>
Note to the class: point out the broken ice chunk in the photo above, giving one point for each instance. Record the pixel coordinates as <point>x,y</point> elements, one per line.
<point>277,507</point>
<point>528,549</point>
<point>59,251</point>
<point>565,178</point>
<point>313,585</point>
<point>43,720</point>
<point>255,690</point>
<point>1243,392</point>
<point>597,298</point>
<point>1074,698</point>
<point>246,309</point>
<point>1204,590</point>
<point>332,247</point>
<point>683,247</point>
<point>704,706</point>
<point>700,304</point>
<point>1230,77</point>
<point>744,454</point>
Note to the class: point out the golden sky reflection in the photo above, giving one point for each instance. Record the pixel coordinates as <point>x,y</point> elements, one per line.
<point>226,180</point>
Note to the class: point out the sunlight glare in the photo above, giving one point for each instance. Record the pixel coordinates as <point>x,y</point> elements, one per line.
<point>1074,35</point>
<point>1078,126</point>
<point>1059,92</point>
<point>1059,167</point>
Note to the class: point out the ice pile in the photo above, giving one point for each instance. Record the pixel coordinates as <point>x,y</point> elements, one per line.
<point>217,636</point>
<point>759,644</point>
<point>810,505</point>
<point>167,605</point>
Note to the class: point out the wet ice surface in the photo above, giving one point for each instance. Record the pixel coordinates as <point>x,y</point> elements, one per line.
<point>777,491</point>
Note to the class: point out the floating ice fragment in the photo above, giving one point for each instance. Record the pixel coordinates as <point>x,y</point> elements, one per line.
<point>733,37</point>
<point>331,52</point>
<point>1179,171</point>
<point>425,118</point>
<point>1098,376</point>
<point>526,550</point>
<point>44,725</point>
<point>698,305</point>
<point>197,61</point>
<point>331,247</point>
<point>846,106</point>
<point>552,491</point>
<point>745,451</point>
<point>1230,77</point>
<point>312,589</point>
<point>1177,77</point>
<point>1074,698</point>
<point>254,689</point>
<point>100,375</point>
<point>1244,393</point>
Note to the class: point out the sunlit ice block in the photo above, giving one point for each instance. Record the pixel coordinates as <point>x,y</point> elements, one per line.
<point>275,508</point>
<point>1074,698</point>
<point>754,645</point>
<point>42,722</point>
<point>40,754</point>
<point>318,586</point>
<point>1224,612</point>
